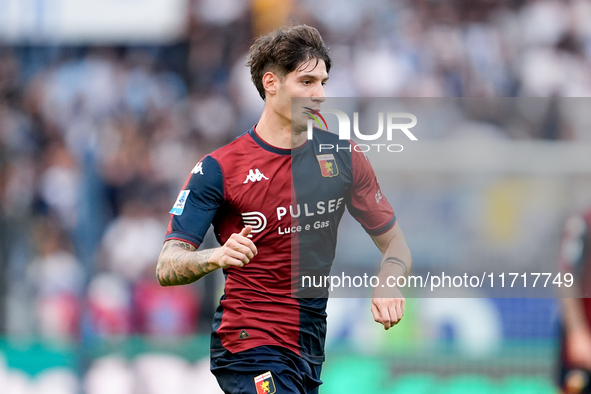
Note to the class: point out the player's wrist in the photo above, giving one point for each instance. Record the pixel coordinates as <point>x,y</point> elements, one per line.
<point>213,259</point>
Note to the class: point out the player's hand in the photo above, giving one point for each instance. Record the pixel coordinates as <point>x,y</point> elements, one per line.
<point>236,252</point>
<point>388,311</point>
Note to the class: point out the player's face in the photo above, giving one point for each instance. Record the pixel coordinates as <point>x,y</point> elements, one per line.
<point>306,83</point>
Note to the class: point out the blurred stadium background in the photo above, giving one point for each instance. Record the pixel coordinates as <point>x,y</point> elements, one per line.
<point>105,106</point>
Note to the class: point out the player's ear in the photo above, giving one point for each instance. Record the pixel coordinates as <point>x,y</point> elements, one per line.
<point>270,82</point>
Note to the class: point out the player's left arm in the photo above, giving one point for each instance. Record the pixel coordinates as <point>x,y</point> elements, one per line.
<point>370,207</point>
<point>387,303</point>
<point>573,248</point>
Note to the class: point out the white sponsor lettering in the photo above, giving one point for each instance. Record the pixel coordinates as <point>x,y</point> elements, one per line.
<point>329,206</point>
<point>298,229</point>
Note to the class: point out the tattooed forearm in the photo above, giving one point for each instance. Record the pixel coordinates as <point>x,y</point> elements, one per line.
<point>184,245</point>
<point>180,263</point>
<point>396,261</point>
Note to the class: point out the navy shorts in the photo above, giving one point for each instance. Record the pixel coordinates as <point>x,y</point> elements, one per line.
<point>266,370</point>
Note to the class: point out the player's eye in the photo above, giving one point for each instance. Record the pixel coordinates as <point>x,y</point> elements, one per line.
<point>306,82</point>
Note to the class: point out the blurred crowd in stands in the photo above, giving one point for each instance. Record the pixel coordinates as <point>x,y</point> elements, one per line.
<point>95,142</point>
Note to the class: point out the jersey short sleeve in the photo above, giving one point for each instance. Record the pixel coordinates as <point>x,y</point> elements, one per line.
<point>367,203</point>
<point>197,203</point>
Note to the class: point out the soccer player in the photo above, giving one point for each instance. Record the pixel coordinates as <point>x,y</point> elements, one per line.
<point>575,355</point>
<point>275,202</point>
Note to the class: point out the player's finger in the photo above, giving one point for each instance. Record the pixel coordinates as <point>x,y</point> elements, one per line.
<point>240,248</point>
<point>245,242</point>
<point>376,313</point>
<point>400,309</point>
<point>392,313</point>
<point>245,231</point>
<point>236,240</point>
<point>248,252</point>
<point>387,319</point>
<point>233,262</point>
<point>381,314</point>
<point>395,314</point>
<point>237,255</point>
<point>243,239</point>
<point>231,258</point>
<point>248,243</point>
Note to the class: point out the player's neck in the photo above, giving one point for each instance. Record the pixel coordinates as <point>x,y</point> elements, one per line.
<point>276,131</point>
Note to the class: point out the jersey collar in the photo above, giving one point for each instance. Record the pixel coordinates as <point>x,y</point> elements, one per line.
<point>268,147</point>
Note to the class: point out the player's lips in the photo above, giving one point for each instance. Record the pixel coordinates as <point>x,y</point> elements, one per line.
<point>314,110</point>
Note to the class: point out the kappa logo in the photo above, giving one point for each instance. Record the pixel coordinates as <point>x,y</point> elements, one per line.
<point>265,384</point>
<point>256,220</point>
<point>254,176</point>
<point>198,169</point>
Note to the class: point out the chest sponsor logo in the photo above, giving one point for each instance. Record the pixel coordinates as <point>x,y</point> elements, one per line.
<point>328,165</point>
<point>254,176</point>
<point>179,205</point>
<point>198,169</point>
<point>265,384</point>
<point>256,220</point>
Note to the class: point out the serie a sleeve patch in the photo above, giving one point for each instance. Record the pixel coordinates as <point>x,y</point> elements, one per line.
<point>179,205</point>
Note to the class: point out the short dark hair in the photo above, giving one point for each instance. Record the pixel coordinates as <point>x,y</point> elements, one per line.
<point>282,50</point>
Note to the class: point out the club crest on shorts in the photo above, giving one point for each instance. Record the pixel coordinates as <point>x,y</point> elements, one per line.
<point>264,383</point>
<point>328,165</point>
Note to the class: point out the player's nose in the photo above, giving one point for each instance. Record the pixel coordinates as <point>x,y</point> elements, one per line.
<point>318,93</point>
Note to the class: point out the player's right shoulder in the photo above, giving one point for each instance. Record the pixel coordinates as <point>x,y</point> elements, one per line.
<point>211,166</point>
<point>206,174</point>
<point>234,156</point>
<point>237,147</point>
<point>207,164</point>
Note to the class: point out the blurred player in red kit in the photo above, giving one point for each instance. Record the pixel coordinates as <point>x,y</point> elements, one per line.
<point>274,198</point>
<point>575,257</point>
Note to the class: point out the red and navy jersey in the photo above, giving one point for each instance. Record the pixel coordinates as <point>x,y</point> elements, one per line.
<point>294,200</point>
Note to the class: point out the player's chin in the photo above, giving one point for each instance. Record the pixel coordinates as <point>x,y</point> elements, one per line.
<point>298,127</point>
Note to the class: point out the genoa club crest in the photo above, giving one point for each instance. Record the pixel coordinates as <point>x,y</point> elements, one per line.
<point>264,383</point>
<point>328,165</point>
